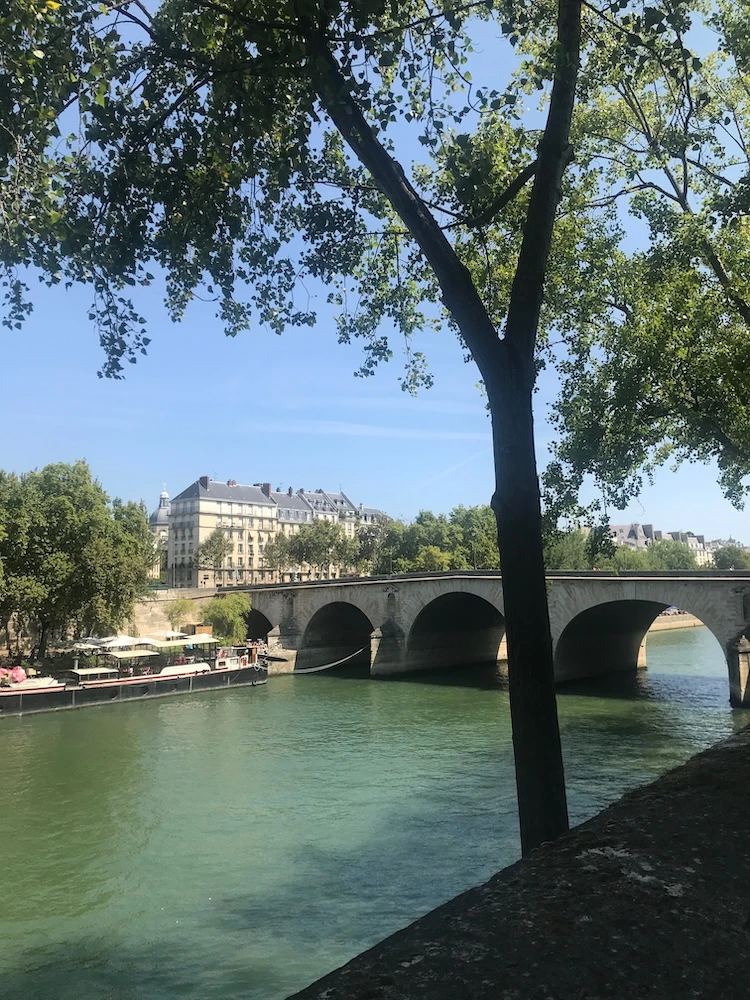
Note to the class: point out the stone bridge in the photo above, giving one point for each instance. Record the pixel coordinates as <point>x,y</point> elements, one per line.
<point>402,624</point>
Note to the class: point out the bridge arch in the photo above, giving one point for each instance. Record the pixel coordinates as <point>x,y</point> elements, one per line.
<point>258,626</point>
<point>455,629</point>
<point>609,637</point>
<point>336,631</point>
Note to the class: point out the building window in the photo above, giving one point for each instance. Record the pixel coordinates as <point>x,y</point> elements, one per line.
<point>239,547</point>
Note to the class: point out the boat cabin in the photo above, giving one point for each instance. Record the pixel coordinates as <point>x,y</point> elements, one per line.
<point>79,675</point>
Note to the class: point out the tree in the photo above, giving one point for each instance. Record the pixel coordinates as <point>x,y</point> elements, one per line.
<point>317,544</point>
<point>70,558</point>
<point>624,559</point>
<point>567,550</point>
<point>177,611</point>
<point>732,557</point>
<point>431,559</point>
<point>276,553</point>
<point>212,552</point>
<point>670,555</point>
<point>664,375</point>
<point>228,138</point>
<point>226,615</point>
<point>477,531</point>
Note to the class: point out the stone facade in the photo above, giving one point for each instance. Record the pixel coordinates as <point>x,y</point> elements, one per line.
<point>250,517</point>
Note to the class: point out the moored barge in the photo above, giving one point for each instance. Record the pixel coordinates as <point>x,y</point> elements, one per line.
<point>143,668</point>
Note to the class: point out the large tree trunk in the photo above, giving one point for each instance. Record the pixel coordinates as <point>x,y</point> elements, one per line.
<point>507,367</point>
<point>540,777</point>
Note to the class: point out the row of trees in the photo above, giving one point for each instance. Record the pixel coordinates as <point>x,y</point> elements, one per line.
<point>69,558</point>
<point>463,539</point>
<point>576,550</point>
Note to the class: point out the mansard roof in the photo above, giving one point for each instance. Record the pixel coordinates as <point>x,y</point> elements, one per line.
<point>212,489</point>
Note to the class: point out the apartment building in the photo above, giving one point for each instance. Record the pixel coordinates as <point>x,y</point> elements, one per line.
<point>250,517</point>
<point>641,536</point>
<point>246,514</point>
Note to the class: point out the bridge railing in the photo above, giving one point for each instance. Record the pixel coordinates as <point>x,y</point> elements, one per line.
<point>593,574</point>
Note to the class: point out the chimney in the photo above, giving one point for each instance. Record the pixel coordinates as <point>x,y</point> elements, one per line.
<point>301,491</point>
<point>290,491</point>
<point>361,508</point>
<point>266,487</point>
<point>204,481</point>
<point>231,482</point>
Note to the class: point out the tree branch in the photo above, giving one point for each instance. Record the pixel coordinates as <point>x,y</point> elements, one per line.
<point>711,173</point>
<point>742,307</point>
<point>460,296</point>
<point>554,155</point>
<point>486,216</point>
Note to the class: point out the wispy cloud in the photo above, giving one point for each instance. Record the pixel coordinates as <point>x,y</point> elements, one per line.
<point>389,404</point>
<point>341,428</point>
<point>443,473</point>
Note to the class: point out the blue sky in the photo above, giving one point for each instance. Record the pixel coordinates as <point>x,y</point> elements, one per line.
<point>284,409</point>
<point>281,409</point>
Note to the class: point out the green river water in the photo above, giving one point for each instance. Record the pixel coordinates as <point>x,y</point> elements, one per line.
<point>243,843</point>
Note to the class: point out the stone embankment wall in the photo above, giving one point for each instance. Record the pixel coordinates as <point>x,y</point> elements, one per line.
<point>684,620</point>
<point>149,614</point>
<point>648,899</point>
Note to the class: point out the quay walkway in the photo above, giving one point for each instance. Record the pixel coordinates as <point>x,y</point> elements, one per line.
<point>650,899</point>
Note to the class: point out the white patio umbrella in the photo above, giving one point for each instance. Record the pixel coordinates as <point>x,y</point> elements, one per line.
<point>113,641</point>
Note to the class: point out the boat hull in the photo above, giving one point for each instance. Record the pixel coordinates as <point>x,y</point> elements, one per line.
<point>125,689</point>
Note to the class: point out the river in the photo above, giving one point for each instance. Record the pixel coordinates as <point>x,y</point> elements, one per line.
<point>243,843</point>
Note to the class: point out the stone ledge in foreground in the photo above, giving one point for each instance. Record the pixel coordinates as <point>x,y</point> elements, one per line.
<point>651,898</point>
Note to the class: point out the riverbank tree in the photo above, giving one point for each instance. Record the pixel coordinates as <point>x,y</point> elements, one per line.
<point>732,557</point>
<point>243,146</point>
<point>71,560</point>
<point>177,611</point>
<point>226,616</point>
<point>213,551</point>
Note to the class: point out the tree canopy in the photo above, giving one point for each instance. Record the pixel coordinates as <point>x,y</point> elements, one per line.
<point>213,550</point>
<point>177,611</point>
<point>663,375</point>
<point>579,550</point>
<point>70,558</point>
<point>226,615</point>
<point>732,557</point>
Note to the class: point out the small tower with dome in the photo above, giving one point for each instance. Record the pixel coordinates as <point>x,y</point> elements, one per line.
<point>159,525</point>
